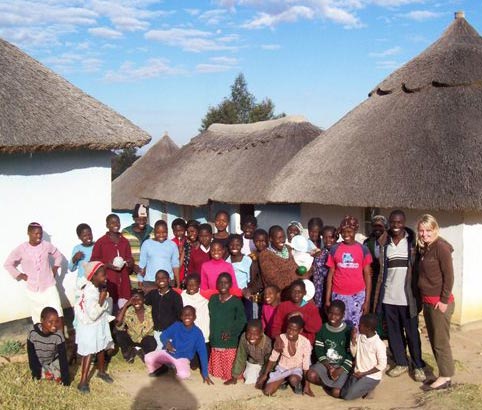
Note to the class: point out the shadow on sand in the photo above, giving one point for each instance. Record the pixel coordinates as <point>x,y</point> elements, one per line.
<point>165,392</point>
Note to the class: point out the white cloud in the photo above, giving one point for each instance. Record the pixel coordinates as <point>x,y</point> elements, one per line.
<point>290,15</point>
<point>105,32</point>
<point>154,68</point>
<point>189,39</point>
<point>74,62</point>
<point>388,52</point>
<point>213,17</point>
<point>218,65</point>
<point>192,12</point>
<point>126,23</point>
<point>270,46</point>
<point>387,65</point>
<point>422,15</point>
<point>225,60</point>
<point>394,3</point>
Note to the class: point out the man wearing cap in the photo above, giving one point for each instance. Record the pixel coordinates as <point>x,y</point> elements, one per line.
<point>137,233</point>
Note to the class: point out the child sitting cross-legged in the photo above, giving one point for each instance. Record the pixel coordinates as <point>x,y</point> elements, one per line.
<point>135,328</point>
<point>252,356</point>
<point>182,340</point>
<point>294,360</point>
<point>332,349</point>
<point>47,356</point>
<point>370,359</point>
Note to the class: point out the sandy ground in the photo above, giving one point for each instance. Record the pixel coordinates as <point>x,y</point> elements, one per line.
<point>166,392</point>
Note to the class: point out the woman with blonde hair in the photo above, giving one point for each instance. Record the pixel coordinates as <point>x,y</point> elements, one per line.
<point>435,281</point>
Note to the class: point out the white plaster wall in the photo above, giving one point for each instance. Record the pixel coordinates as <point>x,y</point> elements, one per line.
<point>58,190</point>
<point>472,273</point>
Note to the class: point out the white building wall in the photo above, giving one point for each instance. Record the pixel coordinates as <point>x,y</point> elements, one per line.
<point>472,273</point>
<point>59,190</point>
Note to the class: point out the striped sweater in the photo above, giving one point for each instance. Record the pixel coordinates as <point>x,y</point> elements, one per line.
<point>43,349</point>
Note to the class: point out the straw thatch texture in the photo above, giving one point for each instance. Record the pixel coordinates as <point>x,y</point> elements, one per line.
<point>230,163</point>
<point>126,187</point>
<point>41,111</point>
<point>403,146</point>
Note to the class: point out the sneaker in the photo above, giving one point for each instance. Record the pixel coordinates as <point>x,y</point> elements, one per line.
<point>105,377</point>
<point>283,386</point>
<point>419,375</point>
<point>298,389</point>
<point>397,371</point>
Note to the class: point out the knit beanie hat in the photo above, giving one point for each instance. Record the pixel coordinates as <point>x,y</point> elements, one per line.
<point>140,211</point>
<point>91,267</point>
<point>349,222</point>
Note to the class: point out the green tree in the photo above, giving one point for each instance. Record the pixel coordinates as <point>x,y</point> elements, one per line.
<point>240,107</point>
<point>122,160</point>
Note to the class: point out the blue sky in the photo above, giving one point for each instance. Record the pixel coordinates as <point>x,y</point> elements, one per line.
<point>162,63</point>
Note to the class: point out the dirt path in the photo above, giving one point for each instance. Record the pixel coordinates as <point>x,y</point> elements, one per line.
<point>394,394</point>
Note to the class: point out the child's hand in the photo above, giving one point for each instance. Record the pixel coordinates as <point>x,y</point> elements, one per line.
<point>102,295</point>
<point>22,276</point>
<point>358,375</point>
<point>278,345</point>
<point>260,381</point>
<point>225,336</point>
<point>169,347</point>
<point>78,256</point>
<point>354,334</point>
<point>315,252</point>
<point>335,373</point>
<point>232,380</point>
<point>208,381</point>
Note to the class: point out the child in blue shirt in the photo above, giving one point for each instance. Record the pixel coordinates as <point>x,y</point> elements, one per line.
<point>81,252</point>
<point>158,254</point>
<point>182,340</point>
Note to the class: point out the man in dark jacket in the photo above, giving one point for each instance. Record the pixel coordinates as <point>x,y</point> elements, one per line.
<point>396,295</point>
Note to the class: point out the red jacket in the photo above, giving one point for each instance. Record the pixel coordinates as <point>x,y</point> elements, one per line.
<point>310,313</point>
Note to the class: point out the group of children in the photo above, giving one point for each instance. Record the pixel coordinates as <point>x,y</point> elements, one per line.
<point>239,307</point>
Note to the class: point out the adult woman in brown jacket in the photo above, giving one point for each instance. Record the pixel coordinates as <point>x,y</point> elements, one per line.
<point>435,281</point>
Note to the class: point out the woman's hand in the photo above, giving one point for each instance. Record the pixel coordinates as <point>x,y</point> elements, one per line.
<point>441,306</point>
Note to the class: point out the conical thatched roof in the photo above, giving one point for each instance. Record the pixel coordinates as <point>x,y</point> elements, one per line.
<point>41,111</point>
<point>416,142</point>
<point>231,163</point>
<point>126,187</point>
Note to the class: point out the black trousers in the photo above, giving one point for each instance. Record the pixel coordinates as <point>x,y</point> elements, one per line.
<point>147,344</point>
<point>402,333</point>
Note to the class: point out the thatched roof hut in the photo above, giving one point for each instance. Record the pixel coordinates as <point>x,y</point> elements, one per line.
<point>41,111</point>
<point>416,142</point>
<point>127,186</point>
<point>231,163</point>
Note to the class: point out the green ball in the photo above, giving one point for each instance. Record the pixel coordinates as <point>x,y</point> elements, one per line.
<point>301,270</point>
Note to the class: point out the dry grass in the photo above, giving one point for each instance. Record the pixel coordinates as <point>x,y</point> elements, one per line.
<point>18,391</point>
<point>459,397</point>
